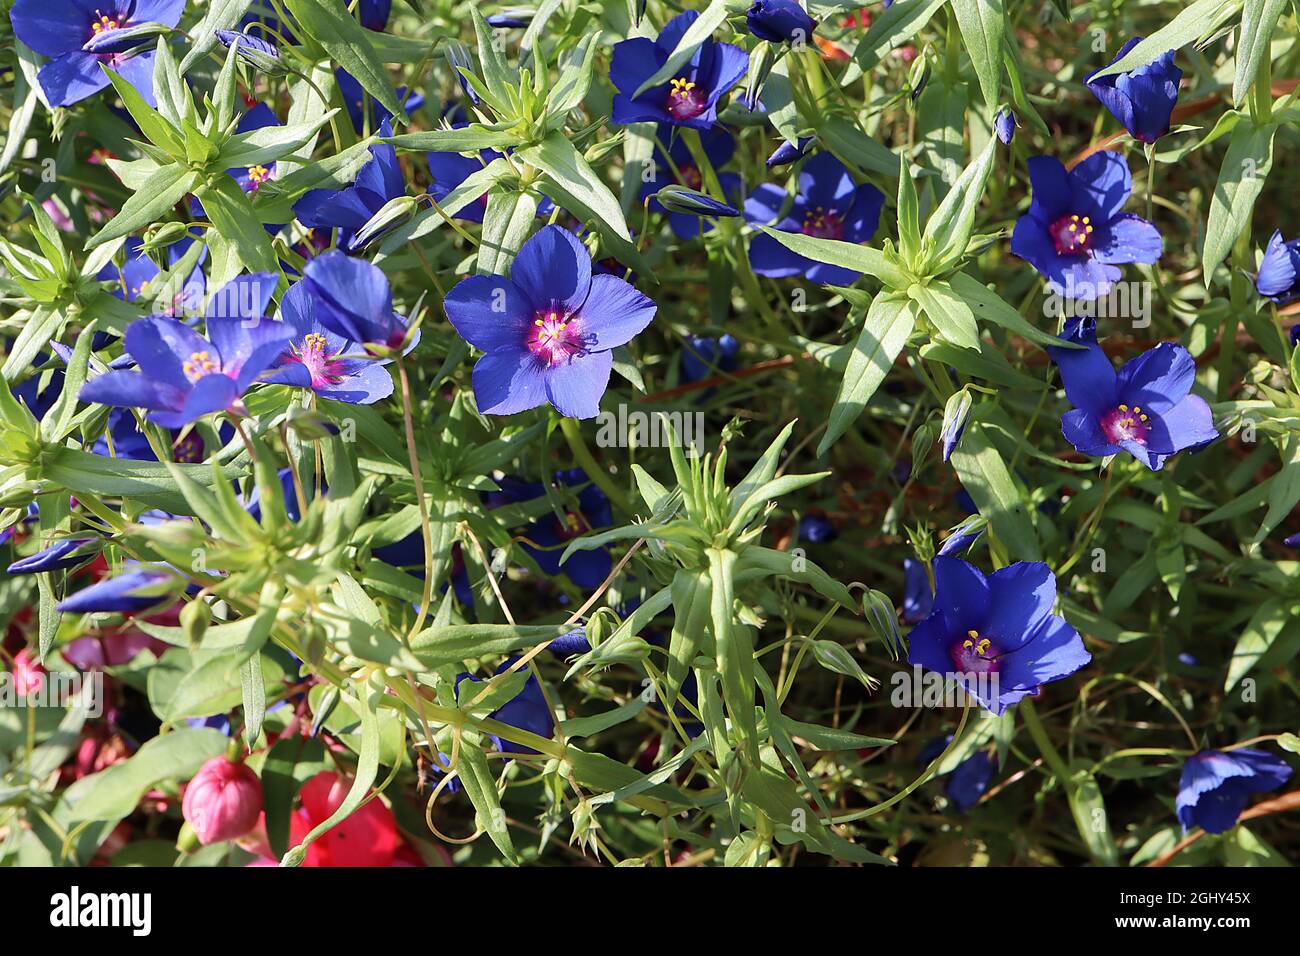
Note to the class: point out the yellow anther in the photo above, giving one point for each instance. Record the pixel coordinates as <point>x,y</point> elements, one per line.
<point>1123,408</point>
<point>1143,417</point>
<point>972,633</point>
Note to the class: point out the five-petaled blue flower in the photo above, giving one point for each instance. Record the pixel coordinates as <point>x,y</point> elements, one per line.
<point>1074,233</point>
<point>322,360</point>
<point>996,636</point>
<point>183,376</point>
<point>829,205</point>
<point>1217,784</point>
<point>1142,99</point>
<point>137,274</point>
<point>548,330</point>
<point>546,538</point>
<point>61,29</point>
<point>719,145</point>
<point>688,99</point>
<point>1146,408</point>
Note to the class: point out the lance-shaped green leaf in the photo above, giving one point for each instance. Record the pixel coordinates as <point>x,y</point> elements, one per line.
<point>1258,18</point>
<point>143,482</point>
<point>219,15</point>
<point>889,30</point>
<point>1193,23</point>
<point>982,26</point>
<point>692,597</point>
<point>948,312</point>
<point>177,755</point>
<point>733,648</point>
<point>481,787</point>
<point>367,770</point>
<point>348,43</point>
<point>265,145</point>
<point>888,324</point>
<point>235,218</point>
<point>1241,180</point>
<point>949,228</point>
<point>59,420</point>
<point>988,305</point>
<point>847,255</point>
<point>468,139</point>
<point>453,643</point>
<point>766,562</point>
<point>152,201</point>
<point>506,223</point>
<point>152,123</point>
<point>984,475</point>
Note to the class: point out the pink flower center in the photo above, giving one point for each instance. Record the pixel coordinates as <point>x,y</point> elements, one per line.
<point>313,353</point>
<point>685,100</point>
<point>553,337</point>
<point>199,365</point>
<point>691,177</point>
<point>189,449</point>
<point>823,224</point>
<point>1122,423</point>
<point>1072,235</point>
<point>975,654</point>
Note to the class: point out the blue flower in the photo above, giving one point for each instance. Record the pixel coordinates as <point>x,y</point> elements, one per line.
<point>64,554</point>
<point>183,376</point>
<point>373,14</point>
<point>817,530</point>
<point>719,146</point>
<point>124,439</point>
<point>918,599</point>
<point>704,354</point>
<point>136,276</point>
<point>788,152</point>
<point>527,710</point>
<point>358,102</point>
<point>61,29</point>
<point>1146,409</point>
<point>349,209</point>
<point>780,21</point>
<point>259,53</point>
<point>1074,233</point>
<point>968,780</point>
<point>1216,786</point>
<point>548,330</point>
<point>1142,99</point>
<point>829,205</point>
<point>996,635</point>
<point>352,299</point>
<point>131,592</point>
<point>574,642</point>
<point>688,99</point>
<point>1278,271</point>
<point>546,538</point>
<point>322,360</point>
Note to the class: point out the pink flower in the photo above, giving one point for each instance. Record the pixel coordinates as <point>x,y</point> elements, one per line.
<point>367,838</point>
<point>223,801</point>
<point>29,675</point>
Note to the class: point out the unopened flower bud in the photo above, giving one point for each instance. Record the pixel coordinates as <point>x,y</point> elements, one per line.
<point>223,801</point>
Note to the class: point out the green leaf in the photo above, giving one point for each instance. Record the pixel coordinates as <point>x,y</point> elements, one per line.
<point>833,738</point>
<point>984,475</point>
<point>348,43</point>
<point>144,482</point>
<point>151,202</point>
<point>475,776</point>
<point>988,305</point>
<point>1258,18</point>
<point>888,324</point>
<point>233,216</point>
<point>949,227</point>
<point>1241,179</point>
<point>889,30</point>
<point>1090,818</point>
<point>949,313</point>
<point>848,255</point>
<point>453,643</point>
<point>172,756</point>
<point>506,224</point>
<point>982,24</point>
<point>734,650</point>
<point>1265,626</point>
<point>1199,20</point>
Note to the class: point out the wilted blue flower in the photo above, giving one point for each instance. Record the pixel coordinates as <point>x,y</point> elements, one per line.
<point>788,152</point>
<point>353,300</point>
<point>60,29</point>
<point>358,102</point>
<point>548,330</point>
<point>1142,99</point>
<point>719,146</point>
<point>1146,409</point>
<point>1074,233</point>
<point>183,376</point>
<point>1004,124</point>
<point>689,99</point>
<point>128,593</point>
<point>703,354</point>
<point>354,207</point>
<point>322,360</point>
<point>527,710</point>
<point>1278,271</point>
<point>780,21</point>
<point>829,205</point>
<point>136,276</point>
<point>1216,786</point>
<point>996,635</point>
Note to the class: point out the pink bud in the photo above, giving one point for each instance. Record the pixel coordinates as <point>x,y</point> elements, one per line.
<point>223,801</point>
<point>29,675</point>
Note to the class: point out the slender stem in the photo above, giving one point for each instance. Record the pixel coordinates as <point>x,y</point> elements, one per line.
<point>425,531</point>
